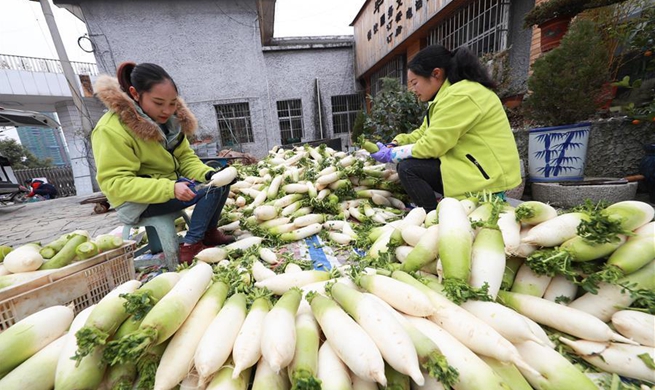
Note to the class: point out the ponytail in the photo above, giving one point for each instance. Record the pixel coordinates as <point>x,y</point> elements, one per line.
<point>142,76</point>
<point>459,64</point>
<point>464,65</point>
<point>123,75</point>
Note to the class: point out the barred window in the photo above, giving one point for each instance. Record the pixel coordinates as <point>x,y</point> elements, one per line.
<point>234,123</point>
<point>344,112</point>
<point>394,69</point>
<point>289,114</point>
<point>481,25</point>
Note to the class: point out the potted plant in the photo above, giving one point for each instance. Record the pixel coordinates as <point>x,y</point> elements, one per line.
<point>565,85</point>
<point>553,18</point>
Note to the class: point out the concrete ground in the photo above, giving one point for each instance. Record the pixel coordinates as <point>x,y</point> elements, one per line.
<point>47,220</point>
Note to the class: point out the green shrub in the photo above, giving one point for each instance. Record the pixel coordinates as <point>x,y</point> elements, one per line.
<point>561,8</point>
<point>567,81</point>
<point>394,110</point>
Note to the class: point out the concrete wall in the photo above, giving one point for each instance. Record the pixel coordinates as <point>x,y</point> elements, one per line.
<point>212,49</point>
<point>78,143</point>
<point>520,41</point>
<point>615,147</point>
<point>293,75</point>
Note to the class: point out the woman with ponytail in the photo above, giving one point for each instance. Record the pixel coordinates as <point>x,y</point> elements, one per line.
<point>465,143</point>
<point>145,165</point>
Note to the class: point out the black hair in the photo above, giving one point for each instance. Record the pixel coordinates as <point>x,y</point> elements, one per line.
<point>142,76</point>
<point>459,64</point>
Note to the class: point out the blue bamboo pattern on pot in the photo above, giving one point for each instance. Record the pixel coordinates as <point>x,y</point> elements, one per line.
<point>554,153</point>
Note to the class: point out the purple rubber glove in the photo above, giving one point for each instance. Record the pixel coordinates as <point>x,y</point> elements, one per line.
<point>383,155</point>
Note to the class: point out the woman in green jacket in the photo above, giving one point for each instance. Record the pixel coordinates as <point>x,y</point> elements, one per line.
<point>465,143</point>
<point>145,165</point>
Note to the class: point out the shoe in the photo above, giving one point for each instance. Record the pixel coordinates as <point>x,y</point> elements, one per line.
<point>215,237</point>
<point>188,252</point>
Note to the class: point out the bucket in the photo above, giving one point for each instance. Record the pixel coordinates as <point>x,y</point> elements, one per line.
<point>558,153</point>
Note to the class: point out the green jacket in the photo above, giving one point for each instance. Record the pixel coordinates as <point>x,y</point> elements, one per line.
<point>131,155</point>
<point>468,130</point>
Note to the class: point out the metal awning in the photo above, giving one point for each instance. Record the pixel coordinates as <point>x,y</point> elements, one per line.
<point>9,117</point>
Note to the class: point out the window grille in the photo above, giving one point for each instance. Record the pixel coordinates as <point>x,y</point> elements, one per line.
<point>481,25</point>
<point>234,123</point>
<point>394,69</point>
<point>289,114</point>
<point>344,112</point>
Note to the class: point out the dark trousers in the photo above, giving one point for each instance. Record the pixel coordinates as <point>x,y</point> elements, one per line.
<point>47,191</point>
<point>209,203</point>
<point>421,178</point>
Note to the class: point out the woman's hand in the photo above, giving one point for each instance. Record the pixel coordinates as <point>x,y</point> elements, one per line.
<point>183,192</point>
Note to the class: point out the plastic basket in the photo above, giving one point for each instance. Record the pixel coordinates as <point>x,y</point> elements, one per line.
<point>81,284</point>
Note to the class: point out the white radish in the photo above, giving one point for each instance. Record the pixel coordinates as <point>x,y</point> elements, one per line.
<point>292,267</point>
<point>178,356</point>
<point>616,358</point>
<point>281,283</point>
<point>474,374</point>
<point>267,255</point>
<point>455,240</point>
<point>402,252</point>
<point>340,238</point>
<point>260,271</point>
<point>247,345</point>
<point>267,379</point>
<point>266,212</point>
<point>412,234</point>
<point>555,372</point>
<point>392,340</point>
<point>554,232</point>
<point>508,323</point>
<point>635,325</point>
<point>424,252</point>
<point>331,370</point>
<point>302,233</point>
<point>165,318</point>
<point>309,219</point>
<point>244,243</point>
<point>278,340</point>
<point>25,258</point>
<point>488,260</point>
<point>525,250</point>
<point>561,290</point>
<point>564,318</point>
<point>29,335</point>
<point>224,177</point>
<point>535,212</point>
<point>529,282</point>
<point>613,297</point>
<point>216,343</point>
<point>510,229</point>
<point>88,373</point>
<point>358,351</point>
<point>464,326</point>
<point>212,255</point>
<point>37,372</point>
<point>399,295</point>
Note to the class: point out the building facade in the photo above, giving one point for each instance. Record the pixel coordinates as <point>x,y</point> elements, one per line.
<point>248,90</point>
<point>388,33</point>
<point>44,143</point>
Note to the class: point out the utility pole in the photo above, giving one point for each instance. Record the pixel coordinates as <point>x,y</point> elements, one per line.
<point>77,148</point>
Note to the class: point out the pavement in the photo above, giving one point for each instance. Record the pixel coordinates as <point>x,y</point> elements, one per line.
<point>47,220</point>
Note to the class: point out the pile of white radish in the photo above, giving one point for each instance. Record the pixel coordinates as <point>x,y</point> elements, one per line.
<point>442,299</point>
<point>30,261</point>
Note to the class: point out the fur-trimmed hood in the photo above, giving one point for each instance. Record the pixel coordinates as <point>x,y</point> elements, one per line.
<point>109,92</point>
